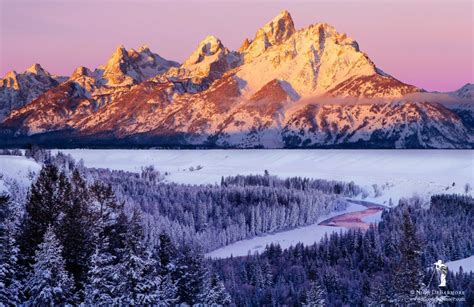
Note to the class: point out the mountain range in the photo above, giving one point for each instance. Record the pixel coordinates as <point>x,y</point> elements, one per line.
<point>285,88</point>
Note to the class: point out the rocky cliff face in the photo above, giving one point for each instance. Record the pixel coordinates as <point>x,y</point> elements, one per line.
<point>311,87</point>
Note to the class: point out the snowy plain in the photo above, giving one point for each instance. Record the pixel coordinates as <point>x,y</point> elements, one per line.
<point>398,173</point>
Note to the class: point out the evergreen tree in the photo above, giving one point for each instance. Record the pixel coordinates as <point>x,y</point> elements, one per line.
<point>166,254</point>
<point>214,291</point>
<point>8,254</point>
<point>50,283</point>
<point>104,278</point>
<point>191,276</point>
<point>103,283</point>
<point>105,207</point>
<point>117,234</point>
<point>45,202</point>
<point>315,295</point>
<point>408,276</point>
<point>139,282</point>
<point>167,291</point>
<point>75,231</point>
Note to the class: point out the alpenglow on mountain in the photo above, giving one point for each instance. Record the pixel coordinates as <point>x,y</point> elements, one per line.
<point>285,88</point>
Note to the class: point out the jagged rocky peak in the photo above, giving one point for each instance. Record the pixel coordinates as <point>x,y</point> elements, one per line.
<point>119,56</point>
<point>132,53</point>
<point>36,69</point>
<point>151,63</point>
<point>210,60</point>
<point>209,46</point>
<point>81,71</point>
<point>19,89</point>
<point>127,67</point>
<point>311,60</point>
<point>115,70</point>
<point>10,80</point>
<point>278,30</point>
<point>326,31</point>
<point>245,44</point>
<point>145,50</point>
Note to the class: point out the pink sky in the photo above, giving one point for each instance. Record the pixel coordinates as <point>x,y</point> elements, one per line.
<point>421,42</point>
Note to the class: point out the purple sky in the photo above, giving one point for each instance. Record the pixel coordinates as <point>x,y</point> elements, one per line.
<point>421,42</point>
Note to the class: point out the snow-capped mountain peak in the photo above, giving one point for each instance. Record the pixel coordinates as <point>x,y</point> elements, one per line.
<point>116,68</point>
<point>465,92</point>
<point>18,89</point>
<point>144,49</point>
<point>81,71</point>
<point>11,80</point>
<point>272,33</point>
<point>209,60</point>
<point>285,88</point>
<point>278,29</point>
<point>36,69</point>
<point>311,61</point>
<point>209,46</point>
<point>127,67</point>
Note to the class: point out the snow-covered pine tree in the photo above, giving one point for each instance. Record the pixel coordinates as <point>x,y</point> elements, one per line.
<point>315,295</point>
<point>148,290</point>
<point>168,291</point>
<point>9,285</point>
<point>139,281</point>
<point>102,286</point>
<point>105,206</point>
<point>45,202</point>
<point>408,276</point>
<point>104,280</point>
<point>191,273</point>
<point>49,284</point>
<point>75,232</point>
<point>166,256</point>
<point>214,291</point>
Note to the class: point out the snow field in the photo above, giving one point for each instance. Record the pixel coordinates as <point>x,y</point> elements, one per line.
<point>397,173</point>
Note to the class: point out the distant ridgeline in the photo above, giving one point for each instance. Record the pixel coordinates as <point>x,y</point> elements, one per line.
<point>285,88</point>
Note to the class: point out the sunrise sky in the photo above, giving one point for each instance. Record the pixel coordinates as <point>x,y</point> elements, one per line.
<point>425,43</point>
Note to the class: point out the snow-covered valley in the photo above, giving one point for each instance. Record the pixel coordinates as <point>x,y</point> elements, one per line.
<point>385,174</point>
<point>397,173</point>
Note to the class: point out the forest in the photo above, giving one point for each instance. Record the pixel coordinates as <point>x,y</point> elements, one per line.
<point>97,236</point>
<point>389,264</point>
<point>212,216</point>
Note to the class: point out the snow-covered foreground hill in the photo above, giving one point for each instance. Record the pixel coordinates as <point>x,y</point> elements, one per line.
<point>397,173</point>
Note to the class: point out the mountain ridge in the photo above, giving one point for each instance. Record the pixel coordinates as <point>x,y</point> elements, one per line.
<point>311,87</point>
